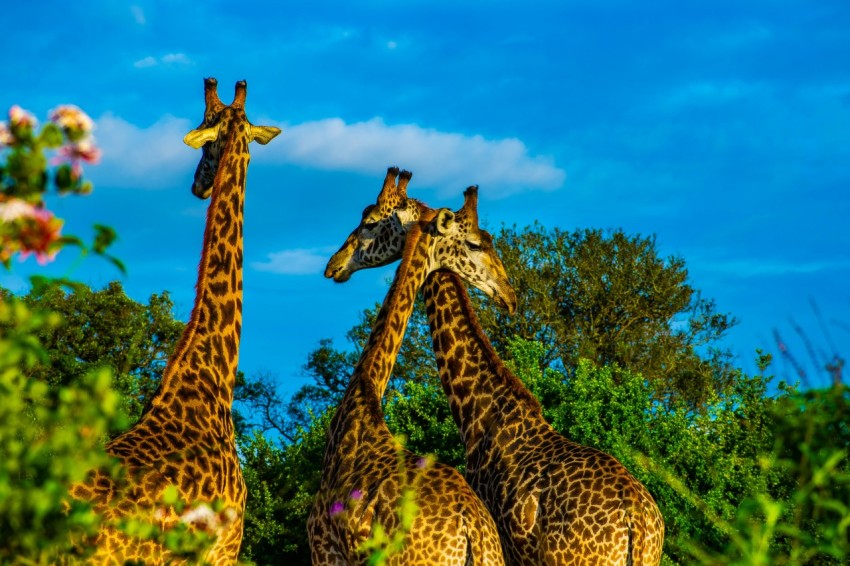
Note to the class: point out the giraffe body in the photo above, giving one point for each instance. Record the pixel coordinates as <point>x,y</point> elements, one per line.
<point>185,437</point>
<point>553,500</point>
<point>365,472</point>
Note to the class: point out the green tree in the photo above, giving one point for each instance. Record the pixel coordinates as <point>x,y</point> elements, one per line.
<point>105,328</point>
<point>419,413</point>
<point>330,368</point>
<point>603,296</point>
<point>281,481</point>
<point>609,297</point>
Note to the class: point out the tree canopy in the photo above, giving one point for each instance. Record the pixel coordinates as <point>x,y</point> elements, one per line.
<point>609,297</point>
<point>106,328</point>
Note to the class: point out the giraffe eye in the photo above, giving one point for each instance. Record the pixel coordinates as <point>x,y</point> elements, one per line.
<point>474,246</point>
<point>369,225</point>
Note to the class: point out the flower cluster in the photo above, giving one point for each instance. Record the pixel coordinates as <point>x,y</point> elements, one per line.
<point>73,121</point>
<point>28,229</point>
<point>26,226</point>
<point>20,118</point>
<point>77,127</point>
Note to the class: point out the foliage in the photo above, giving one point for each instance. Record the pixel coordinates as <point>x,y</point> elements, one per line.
<point>607,297</point>
<point>824,358</point>
<point>25,179</point>
<point>105,328</point>
<point>715,472</point>
<point>330,369</point>
<point>50,437</point>
<point>58,354</point>
<point>420,413</point>
<point>281,482</point>
<point>611,298</point>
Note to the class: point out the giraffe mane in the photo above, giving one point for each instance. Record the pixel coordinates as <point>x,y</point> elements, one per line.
<point>477,332</point>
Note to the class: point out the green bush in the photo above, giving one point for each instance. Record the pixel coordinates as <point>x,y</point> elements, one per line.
<point>754,479</point>
<point>281,482</point>
<point>49,439</point>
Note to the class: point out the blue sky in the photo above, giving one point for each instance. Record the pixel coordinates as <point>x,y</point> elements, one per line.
<point>722,127</point>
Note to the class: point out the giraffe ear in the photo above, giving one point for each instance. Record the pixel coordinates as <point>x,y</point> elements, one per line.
<point>444,220</point>
<point>197,138</point>
<point>263,134</point>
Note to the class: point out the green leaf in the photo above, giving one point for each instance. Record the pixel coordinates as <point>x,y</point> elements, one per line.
<point>104,237</point>
<point>64,179</point>
<point>51,136</point>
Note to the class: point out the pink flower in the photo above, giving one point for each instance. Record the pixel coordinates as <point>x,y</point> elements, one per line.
<point>15,208</point>
<point>71,119</point>
<point>336,508</point>
<point>356,494</point>
<point>83,150</point>
<point>74,153</point>
<point>18,117</point>
<point>39,234</point>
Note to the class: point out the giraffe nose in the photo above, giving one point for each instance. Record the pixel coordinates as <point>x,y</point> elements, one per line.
<point>337,272</point>
<point>201,191</point>
<point>511,304</point>
<point>507,298</point>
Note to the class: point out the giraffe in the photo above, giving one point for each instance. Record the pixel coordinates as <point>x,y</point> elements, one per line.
<point>553,500</point>
<point>364,472</point>
<point>185,436</point>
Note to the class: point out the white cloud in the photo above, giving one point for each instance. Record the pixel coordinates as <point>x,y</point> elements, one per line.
<point>176,58</point>
<point>167,59</point>
<point>296,261</point>
<point>138,15</point>
<point>155,156</point>
<point>444,160</point>
<point>144,63</point>
<point>151,158</point>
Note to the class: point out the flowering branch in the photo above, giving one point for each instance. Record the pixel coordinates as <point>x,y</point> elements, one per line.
<point>26,226</point>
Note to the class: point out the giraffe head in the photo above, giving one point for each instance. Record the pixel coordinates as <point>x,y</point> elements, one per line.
<point>222,125</point>
<point>379,237</point>
<point>461,247</point>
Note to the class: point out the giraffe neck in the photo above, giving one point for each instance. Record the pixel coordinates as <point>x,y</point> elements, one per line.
<point>362,400</point>
<point>482,392</point>
<point>207,354</point>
